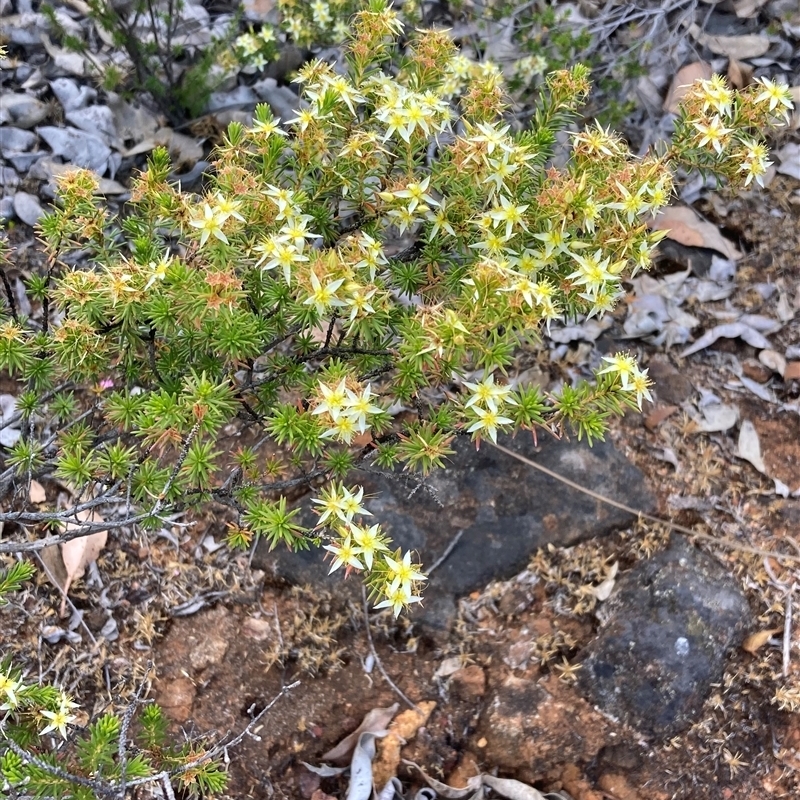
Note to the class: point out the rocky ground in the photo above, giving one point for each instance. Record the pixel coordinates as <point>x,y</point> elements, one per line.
<point>564,643</point>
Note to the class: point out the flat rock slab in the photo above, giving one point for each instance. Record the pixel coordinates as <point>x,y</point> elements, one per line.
<point>668,627</point>
<point>503,509</point>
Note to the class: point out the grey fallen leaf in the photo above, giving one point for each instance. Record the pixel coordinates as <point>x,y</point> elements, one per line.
<point>6,208</point>
<point>722,270</point>
<point>9,435</point>
<point>759,322</point>
<point>78,147</point>
<point>448,667</point>
<point>377,719</point>
<point>758,389</point>
<point>393,789</point>
<point>749,446</point>
<point>784,308</point>
<point>323,770</point>
<point>717,418</point>
<point>731,330</point>
<point>21,110</point>
<point>781,489</point>
<point>24,28</point>
<point>603,590</point>
<point>513,790</point>
<point>667,454</point>
<point>789,156</point>
<point>360,787</point>
<point>587,331</point>
<point>443,790</point>
<point>28,208</point>
<point>240,97</point>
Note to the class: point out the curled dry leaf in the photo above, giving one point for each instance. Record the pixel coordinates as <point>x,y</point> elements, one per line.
<point>749,446</point>
<point>376,720</point>
<point>603,590</point>
<point>78,553</point>
<point>755,641</point>
<point>730,330</point>
<point>739,74</point>
<point>684,225</point>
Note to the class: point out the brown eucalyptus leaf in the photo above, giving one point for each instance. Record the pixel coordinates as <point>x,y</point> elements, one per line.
<point>755,641</point>
<point>683,79</point>
<point>683,225</point>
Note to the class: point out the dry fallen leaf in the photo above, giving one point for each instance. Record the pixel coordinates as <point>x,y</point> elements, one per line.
<point>755,641</point>
<point>685,226</point>
<point>78,553</point>
<point>36,493</point>
<point>658,415</point>
<point>749,446</point>
<point>792,371</point>
<point>751,45</point>
<point>747,8</point>
<point>739,74</point>
<point>683,79</point>
<point>376,720</point>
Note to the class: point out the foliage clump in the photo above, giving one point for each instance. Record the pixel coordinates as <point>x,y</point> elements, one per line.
<point>386,249</point>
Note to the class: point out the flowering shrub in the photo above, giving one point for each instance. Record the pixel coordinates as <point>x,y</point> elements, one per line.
<point>372,254</point>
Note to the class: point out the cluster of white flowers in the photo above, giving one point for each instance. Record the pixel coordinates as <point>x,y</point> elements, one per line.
<point>486,401</point>
<point>216,212</point>
<point>404,111</point>
<point>10,691</point>
<point>254,48</point>
<point>631,378</point>
<point>347,411</point>
<point>366,547</point>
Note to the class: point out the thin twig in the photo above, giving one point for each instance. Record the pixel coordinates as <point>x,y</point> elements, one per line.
<point>721,542</point>
<point>449,549</point>
<point>397,690</point>
<point>787,630</point>
<point>127,718</point>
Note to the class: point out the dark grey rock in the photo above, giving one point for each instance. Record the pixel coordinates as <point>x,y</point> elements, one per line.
<point>25,28</point>
<point>28,208</point>
<point>505,509</point>
<point>78,147</point>
<point>24,71</point>
<point>97,120</point>
<point>8,177</point>
<point>240,97</point>
<point>21,110</point>
<point>669,624</point>
<point>6,208</point>
<point>22,161</point>
<point>70,95</point>
<point>15,140</point>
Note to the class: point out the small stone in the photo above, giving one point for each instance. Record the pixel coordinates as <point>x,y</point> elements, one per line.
<point>208,652</point>
<point>97,120</point>
<point>671,386</point>
<point>177,698</point>
<point>70,95</point>
<point>6,208</point>
<point>9,177</point>
<point>257,628</point>
<point>21,110</point>
<point>15,140</point>
<point>667,629</point>
<point>792,371</point>
<point>469,683</point>
<point>28,208</point>
<point>755,371</point>
<point>528,723</point>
